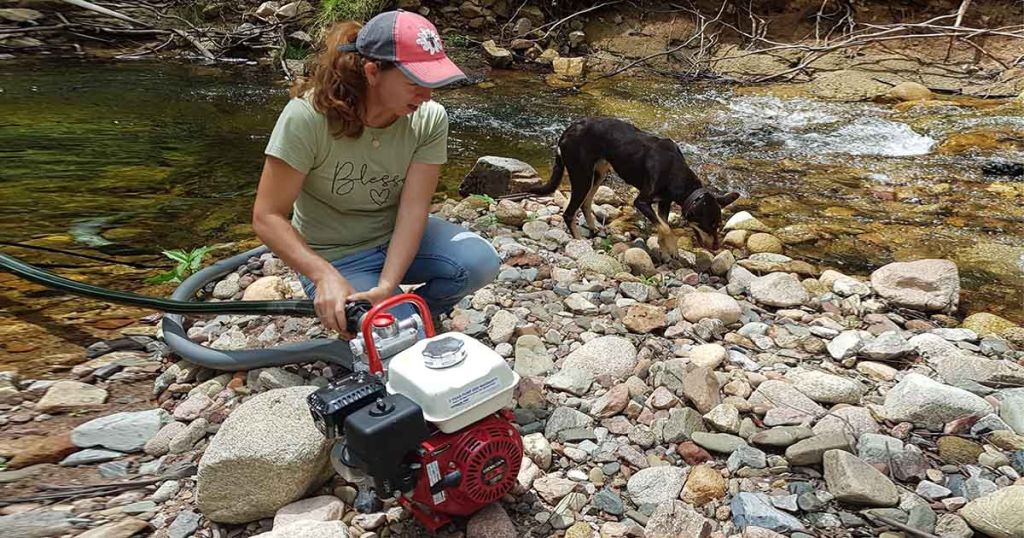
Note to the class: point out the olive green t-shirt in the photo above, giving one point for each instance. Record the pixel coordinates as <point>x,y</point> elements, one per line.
<point>349,199</point>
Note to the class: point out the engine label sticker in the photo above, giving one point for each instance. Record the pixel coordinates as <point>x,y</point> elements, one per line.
<point>434,476</point>
<point>473,393</point>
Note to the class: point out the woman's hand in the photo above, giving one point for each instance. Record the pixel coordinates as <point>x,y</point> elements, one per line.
<point>332,291</point>
<point>374,295</point>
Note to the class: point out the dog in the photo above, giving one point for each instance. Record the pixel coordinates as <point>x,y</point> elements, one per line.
<point>591,147</point>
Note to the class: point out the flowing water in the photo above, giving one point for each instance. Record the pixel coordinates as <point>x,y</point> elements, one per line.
<point>122,160</point>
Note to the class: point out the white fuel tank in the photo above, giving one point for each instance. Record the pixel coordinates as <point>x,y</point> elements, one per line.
<point>454,378</point>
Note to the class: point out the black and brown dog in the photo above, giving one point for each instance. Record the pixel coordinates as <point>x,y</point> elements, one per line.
<point>590,147</point>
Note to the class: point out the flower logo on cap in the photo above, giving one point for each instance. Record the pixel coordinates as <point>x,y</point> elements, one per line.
<point>429,40</point>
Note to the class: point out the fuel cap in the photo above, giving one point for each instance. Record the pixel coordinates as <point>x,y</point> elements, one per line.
<point>444,352</point>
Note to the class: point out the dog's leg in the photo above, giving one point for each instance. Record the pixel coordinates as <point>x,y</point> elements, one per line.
<point>580,189</point>
<point>600,172</point>
<point>666,241</point>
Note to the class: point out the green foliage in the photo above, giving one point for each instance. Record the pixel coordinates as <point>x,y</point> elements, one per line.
<point>344,10</point>
<point>485,197</point>
<point>606,245</point>
<point>296,52</point>
<point>188,263</point>
<point>455,39</point>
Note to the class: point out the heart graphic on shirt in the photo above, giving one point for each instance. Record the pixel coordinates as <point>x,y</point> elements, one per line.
<point>379,197</point>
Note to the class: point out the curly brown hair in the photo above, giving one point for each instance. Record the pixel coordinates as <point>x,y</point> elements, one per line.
<point>336,85</point>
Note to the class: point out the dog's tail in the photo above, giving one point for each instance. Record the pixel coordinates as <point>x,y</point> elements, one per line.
<point>557,171</point>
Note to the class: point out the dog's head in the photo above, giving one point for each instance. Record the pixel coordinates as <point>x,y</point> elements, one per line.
<point>702,210</point>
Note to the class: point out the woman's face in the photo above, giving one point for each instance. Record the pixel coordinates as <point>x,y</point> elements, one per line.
<point>397,93</point>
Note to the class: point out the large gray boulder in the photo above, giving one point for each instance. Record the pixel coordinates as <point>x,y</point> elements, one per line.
<point>927,285</point>
<point>498,176</point>
<point>997,514</point>
<point>267,454</point>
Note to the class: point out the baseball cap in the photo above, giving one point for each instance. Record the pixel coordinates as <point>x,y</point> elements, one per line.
<point>412,43</point>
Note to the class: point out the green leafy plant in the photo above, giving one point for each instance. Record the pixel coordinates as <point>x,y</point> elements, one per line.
<point>605,245</point>
<point>485,197</point>
<point>455,39</point>
<point>188,263</point>
<point>343,10</point>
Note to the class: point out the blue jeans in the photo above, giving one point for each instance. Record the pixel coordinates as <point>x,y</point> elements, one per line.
<point>451,263</point>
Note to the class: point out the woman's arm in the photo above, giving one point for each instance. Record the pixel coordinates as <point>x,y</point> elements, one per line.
<point>279,187</point>
<point>413,209</point>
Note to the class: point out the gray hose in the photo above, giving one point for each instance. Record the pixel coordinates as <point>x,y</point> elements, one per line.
<point>324,349</point>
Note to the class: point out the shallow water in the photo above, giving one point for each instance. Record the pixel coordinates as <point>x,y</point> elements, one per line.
<point>123,160</point>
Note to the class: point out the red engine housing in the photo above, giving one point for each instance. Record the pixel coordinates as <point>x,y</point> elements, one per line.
<point>486,455</point>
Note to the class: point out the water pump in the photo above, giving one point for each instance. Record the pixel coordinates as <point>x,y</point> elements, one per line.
<point>433,427</point>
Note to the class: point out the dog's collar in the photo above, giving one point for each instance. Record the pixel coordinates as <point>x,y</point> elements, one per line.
<point>692,198</point>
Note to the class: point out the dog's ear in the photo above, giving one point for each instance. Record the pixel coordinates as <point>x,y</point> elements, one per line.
<point>726,199</point>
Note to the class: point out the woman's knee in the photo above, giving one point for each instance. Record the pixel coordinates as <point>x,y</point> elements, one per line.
<point>480,262</point>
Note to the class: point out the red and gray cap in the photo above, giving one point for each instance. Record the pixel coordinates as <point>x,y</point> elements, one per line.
<point>412,43</point>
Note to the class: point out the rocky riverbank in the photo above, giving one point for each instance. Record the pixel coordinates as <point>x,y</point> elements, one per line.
<point>739,394</point>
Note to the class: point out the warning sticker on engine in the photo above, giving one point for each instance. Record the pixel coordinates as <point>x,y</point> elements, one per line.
<point>434,476</point>
<point>473,393</point>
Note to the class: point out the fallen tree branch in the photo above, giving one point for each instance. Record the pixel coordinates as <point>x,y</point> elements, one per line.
<point>104,11</point>
<point>195,43</point>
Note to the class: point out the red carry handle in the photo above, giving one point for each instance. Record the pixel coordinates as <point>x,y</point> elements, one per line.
<point>376,366</point>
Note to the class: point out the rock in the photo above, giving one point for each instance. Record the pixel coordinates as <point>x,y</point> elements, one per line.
<point>853,481</point>
<point>743,220</point>
<point>572,380</point>
<point>89,456</point>
<point>763,242</point>
<point>611,403</point>
<point>778,289</point>
<point>855,421</point>
<point>674,519</point>
<point>695,306</point>
<point>718,442</point>
<point>125,528</point>
<point>639,261</point>
<point>564,419</point>
<point>708,355</point>
<point>532,357</point>
<point>930,404</point>
<point>184,525</point>
<point>984,324</point>
<point>267,288</point>
<point>538,449</point>
<point>192,407</point>
<point>909,91</point>
<point>491,522</point>
<point>725,418</point>
<point>810,451</point>
<point>958,451</point>
<point>503,324</point>
<point>568,67</point>
<point>927,285</point>
<point>65,396</point>
<point>847,344</point>
<point>552,488</point>
<point>124,432</point>
<point>510,213</point>
<point>656,485</point>
<point>1011,409</point>
<point>311,529</point>
<point>607,355</point>
<point>781,436</point>
<point>704,485</point>
<point>824,387</point>
<point>644,319</point>
<point>756,509</point>
<point>781,395</point>
<point>160,443</point>
<point>608,502</point>
<point>266,454</point>
<point>226,289</point>
<point>952,526</point>
<point>596,262</point>
<point>932,491</point>
<point>847,85</point>
<point>36,524</point>
<point>321,508</point>
<point>886,346</point>
<point>700,386</point>
<point>497,57</point>
<point>998,514</point>
<point>498,176</point>
<point>746,456</point>
<point>30,450</point>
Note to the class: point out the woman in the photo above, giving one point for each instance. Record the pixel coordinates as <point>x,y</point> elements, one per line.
<point>356,156</point>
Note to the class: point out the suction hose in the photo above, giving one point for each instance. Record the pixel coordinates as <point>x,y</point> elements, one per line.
<point>182,302</point>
